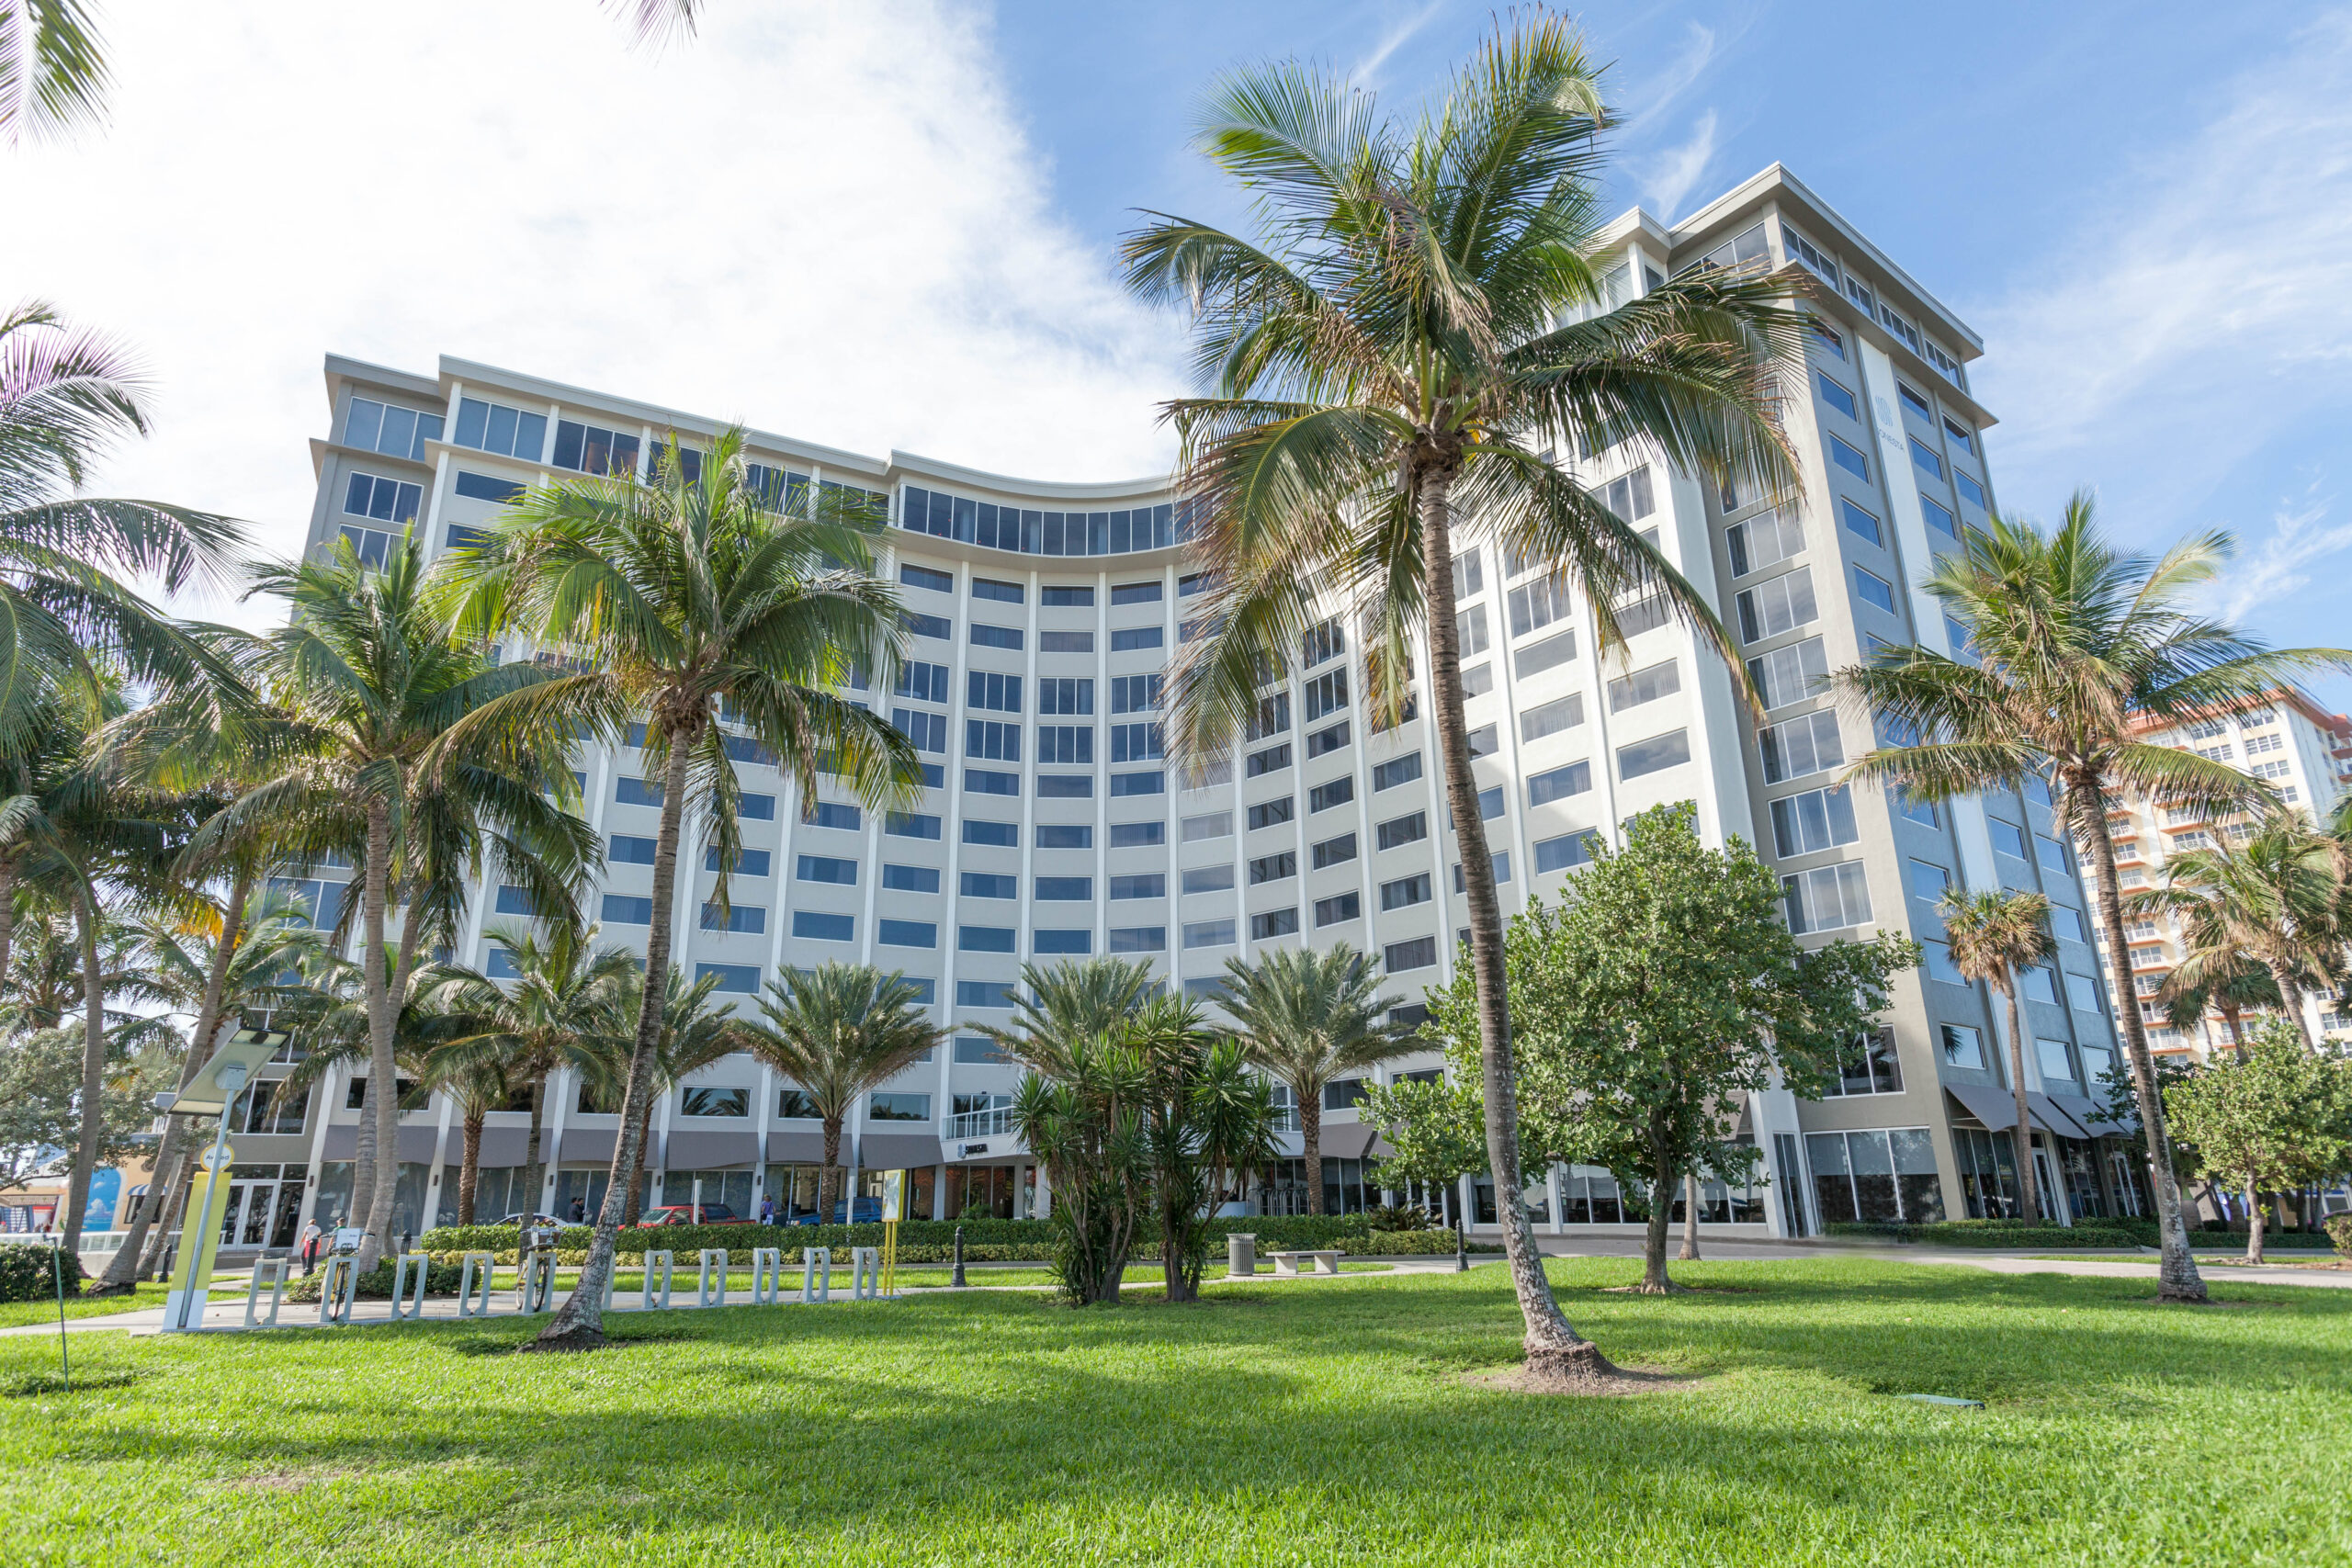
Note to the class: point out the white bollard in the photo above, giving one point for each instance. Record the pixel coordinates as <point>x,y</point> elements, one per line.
<point>709,1292</point>
<point>405,1303</point>
<point>647,1303</point>
<point>767,1276</point>
<point>337,1285</point>
<point>473,1301</point>
<point>275,1270</point>
<point>815,1287</point>
<point>866,1280</point>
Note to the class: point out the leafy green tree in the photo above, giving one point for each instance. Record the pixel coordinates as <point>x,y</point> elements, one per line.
<point>1436,1133</point>
<point>1207,1117</point>
<point>42,1109</point>
<point>1995,936</point>
<point>1390,359</point>
<point>1665,991</point>
<point>2072,647</point>
<point>679,600</point>
<point>837,1033</point>
<point>2270,1119</point>
<point>1308,1019</point>
<point>385,730</point>
<point>2276,899</point>
<point>563,1007</point>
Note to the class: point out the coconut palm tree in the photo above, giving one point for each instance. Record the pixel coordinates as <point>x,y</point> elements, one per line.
<point>476,1083</point>
<point>1391,358</point>
<point>2276,898</point>
<point>564,1006</point>
<point>387,730</point>
<point>680,599</point>
<point>837,1032</point>
<point>1308,1019</point>
<point>1995,936</point>
<point>2219,978</point>
<point>695,1033</point>
<point>2076,653</point>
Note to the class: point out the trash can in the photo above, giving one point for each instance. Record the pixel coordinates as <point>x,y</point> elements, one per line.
<point>1240,1253</point>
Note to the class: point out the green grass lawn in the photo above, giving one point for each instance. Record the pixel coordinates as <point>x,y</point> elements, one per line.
<point>1271,1424</point>
<point>142,1298</point>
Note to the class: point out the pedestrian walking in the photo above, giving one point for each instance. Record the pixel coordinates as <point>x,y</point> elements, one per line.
<point>311,1236</point>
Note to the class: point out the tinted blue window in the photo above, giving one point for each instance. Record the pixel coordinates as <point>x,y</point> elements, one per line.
<point>1061,942</point>
<point>742,977</point>
<point>746,918</point>
<point>983,994</point>
<point>825,868</point>
<point>1859,522</point>
<point>1845,458</point>
<point>1970,491</point>
<point>988,884</point>
<point>1066,786</point>
<point>984,939</point>
<point>502,965</point>
<point>907,933</point>
<point>757,807</point>
<point>984,635</point>
<point>627,909</point>
<point>743,749</point>
<point>512,900</point>
<point>820,927</point>
<point>923,577</point>
<point>460,536</point>
<point>1558,854</point>
<point>1007,834</point>
<point>1002,593</point>
<point>1836,396</point>
<point>631,849</point>
<point>1126,638</point>
<point>1559,784</point>
<point>1065,890</point>
<point>927,625</point>
<point>911,878</point>
<point>1939,518</point>
<point>1874,589</point>
<point>1153,783</point>
<point>748,863</point>
<point>1138,938</point>
<point>481,487</point>
<point>912,825</point>
<point>835,813</point>
<point>1927,457</point>
<point>988,781</point>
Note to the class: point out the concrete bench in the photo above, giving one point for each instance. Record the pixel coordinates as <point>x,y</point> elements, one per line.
<point>1286,1263</point>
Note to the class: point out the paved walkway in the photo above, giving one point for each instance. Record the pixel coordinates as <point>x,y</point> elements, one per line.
<point>227,1312</point>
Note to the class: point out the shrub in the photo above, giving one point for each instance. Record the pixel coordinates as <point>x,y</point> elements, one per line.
<point>375,1285</point>
<point>2340,1231</point>
<point>1424,1243</point>
<point>2001,1233</point>
<point>28,1272</point>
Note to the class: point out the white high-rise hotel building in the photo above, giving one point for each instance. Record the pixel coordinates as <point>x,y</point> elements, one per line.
<point>1044,616</point>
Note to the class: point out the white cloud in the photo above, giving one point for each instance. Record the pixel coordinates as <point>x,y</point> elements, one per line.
<point>1669,177</point>
<point>2299,536</point>
<point>823,219</point>
<point>1367,70</point>
<point>2200,305</point>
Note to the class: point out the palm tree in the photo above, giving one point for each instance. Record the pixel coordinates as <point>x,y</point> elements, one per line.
<point>837,1032</point>
<point>1995,936</point>
<point>564,1008</point>
<point>2216,978</point>
<point>679,599</point>
<point>390,732</point>
<point>477,1084</point>
<point>1308,1019</point>
<point>695,1033</point>
<point>1388,377</point>
<point>2074,647</point>
<point>1205,1116</point>
<point>2277,901</point>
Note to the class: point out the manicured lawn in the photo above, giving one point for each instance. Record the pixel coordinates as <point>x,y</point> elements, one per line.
<point>142,1299</point>
<point>1276,1423</point>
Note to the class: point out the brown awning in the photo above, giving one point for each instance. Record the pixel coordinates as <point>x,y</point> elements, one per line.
<point>801,1146</point>
<point>1346,1140</point>
<point>415,1143</point>
<point>592,1145</point>
<point>897,1151</point>
<point>695,1149</point>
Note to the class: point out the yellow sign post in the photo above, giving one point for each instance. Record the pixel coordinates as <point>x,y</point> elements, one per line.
<point>894,1197</point>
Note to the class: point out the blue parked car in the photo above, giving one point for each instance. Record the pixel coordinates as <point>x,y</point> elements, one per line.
<point>868,1212</point>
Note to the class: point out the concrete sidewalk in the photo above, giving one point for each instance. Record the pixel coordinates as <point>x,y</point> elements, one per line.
<point>2094,1265</point>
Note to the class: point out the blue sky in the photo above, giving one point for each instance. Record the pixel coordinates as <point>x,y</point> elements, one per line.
<point>885,223</point>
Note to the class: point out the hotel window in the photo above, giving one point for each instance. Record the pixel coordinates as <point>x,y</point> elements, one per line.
<point>1779,605</point>
<point>910,825</point>
<point>1830,897</point>
<point>1550,718</point>
<point>1274,759</point>
<point>1764,541</point>
<point>1401,830</point>
<point>397,431</point>
<point>1002,593</point>
<point>1537,604</point>
<point>1418,953</point>
<point>924,682</point>
<point>1963,1046</point>
<point>1913,401</point>
<point>1646,685</point>
<point>1850,461</point>
<point>587,448</point>
<point>1970,491</point>
<point>1135,742</point>
<point>1801,249</point>
<point>995,693</point>
<point>1209,933</point>
<point>382,500</point>
<point>1859,522</point>
<point>1837,396</point>
<point>1211,825</point>
<point>1070,745</point>
<point>1960,435</point>
<point>826,868</point>
<point>924,731</point>
<point>1929,880</point>
<point>1469,578</point>
<point>2008,837</point>
<point>1406,891</point>
<point>701,1099</point>
<point>1395,770</point>
<point>1940,516</point>
<point>1135,693</point>
<point>1138,938</point>
<point>1273,868</point>
<point>1137,835</point>
<point>1272,716</point>
<point>989,885</point>
<point>1566,851</point>
<point>811,925</point>
<point>1322,643</point>
<point>907,933</point>
<point>1630,497</point>
<point>1549,654</point>
<point>1272,813</point>
<point>911,878</point>
<point>1326,694</point>
<point>992,741</point>
<point>509,431</point>
<point>924,577</point>
<point>1209,878</point>
<point>1065,642</point>
<point>1127,593</point>
<point>1869,1065</point>
<point>1344,906</point>
<point>999,835</point>
<point>1790,674</point>
<point>986,636</point>
<point>1817,819</point>
<point>1873,589</point>
<point>1470,628</point>
<point>1827,337</point>
<point>1334,792</point>
<point>1325,741</point>
<point>1653,755</point>
<point>1127,639</point>
<point>1142,885</point>
<point>1065,890</point>
<point>747,919</point>
<point>1559,784</point>
<point>1273,923</point>
<point>1335,851</point>
<point>1927,457</point>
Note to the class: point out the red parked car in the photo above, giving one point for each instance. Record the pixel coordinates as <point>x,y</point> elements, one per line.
<point>683,1214</point>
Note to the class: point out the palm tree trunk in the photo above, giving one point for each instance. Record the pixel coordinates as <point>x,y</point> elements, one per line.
<point>533,1178</point>
<point>2253,1225</point>
<point>94,1067</point>
<point>2029,1190</point>
<point>634,1207</point>
<point>387,1110</point>
<point>2290,998</point>
<point>1553,1348</point>
<point>580,1323</point>
<point>825,1177</point>
<point>2177,1280</point>
<point>1310,1131</point>
<point>2237,1031</point>
<point>1690,1217</point>
<point>382,1069</point>
<point>469,1172</point>
<point>125,1267</point>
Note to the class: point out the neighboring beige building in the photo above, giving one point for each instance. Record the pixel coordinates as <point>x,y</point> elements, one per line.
<point>2306,753</point>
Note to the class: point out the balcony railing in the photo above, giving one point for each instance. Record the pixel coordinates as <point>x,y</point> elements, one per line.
<point>993,1122</point>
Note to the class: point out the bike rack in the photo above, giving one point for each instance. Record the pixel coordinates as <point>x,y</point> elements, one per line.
<point>664,1259</point>
<point>767,1276</point>
<point>275,1270</point>
<point>535,1285</point>
<point>866,1282</point>
<point>816,1286</point>
<point>483,1265</point>
<point>707,1292</point>
<point>405,1303</point>
<point>338,1286</point>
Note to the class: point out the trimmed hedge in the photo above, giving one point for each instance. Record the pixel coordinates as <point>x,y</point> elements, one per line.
<point>1418,1244</point>
<point>28,1272</point>
<point>375,1285</point>
<point>2340,1231</point>
<point>1999,1232</point>
<point>919,1240</point>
